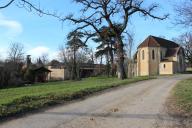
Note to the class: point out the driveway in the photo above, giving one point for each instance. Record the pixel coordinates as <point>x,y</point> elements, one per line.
<point>137,106</point>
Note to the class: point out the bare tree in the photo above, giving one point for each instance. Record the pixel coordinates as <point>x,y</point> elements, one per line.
<point>129,43</point>
<point>66,57</point>
<point>129,49</point>
<point>62,54</point>
<point>30,6</point>
<point>11,72</point>
<point>186,41</point>
<point>16,53</point>
<point>183,11</point>
<point>44,58</point>
<point>6,4</point>
<point>97,13</point>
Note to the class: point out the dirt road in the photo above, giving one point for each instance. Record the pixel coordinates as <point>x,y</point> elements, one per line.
<point>137,106</point>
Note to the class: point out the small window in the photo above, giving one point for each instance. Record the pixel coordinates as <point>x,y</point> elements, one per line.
<point>164,66</point>
<point>153,54</point>
<point>143,55</point>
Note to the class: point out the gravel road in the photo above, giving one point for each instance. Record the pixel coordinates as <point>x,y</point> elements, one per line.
<point>137,106</point>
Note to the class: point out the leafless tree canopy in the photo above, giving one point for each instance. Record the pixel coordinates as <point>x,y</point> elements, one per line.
<point>130,44</point>
<point>97,13</point>
<point>44,58</point>
<point>30,6</point>
<point>186,42</point>
<point>66,56</point>
<point>10,70</point>
<point>184,13</point>
<point>114,13</point>
<point>7,4</point>
<point>109,10</point>
<point>16,53</point>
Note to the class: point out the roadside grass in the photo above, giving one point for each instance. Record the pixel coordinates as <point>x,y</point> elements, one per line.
<point>182,95</point>
<point>189,70</point>
<point>16,101</point>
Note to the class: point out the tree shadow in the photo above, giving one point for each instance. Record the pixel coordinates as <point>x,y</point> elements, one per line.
<point>162,117</point>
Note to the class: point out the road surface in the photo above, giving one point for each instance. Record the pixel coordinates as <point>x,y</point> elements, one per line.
<point>140,105</point>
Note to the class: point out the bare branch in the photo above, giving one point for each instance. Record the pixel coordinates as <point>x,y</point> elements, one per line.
<point>184,13</point>
<point>30,7</point>
<point>6,5</point>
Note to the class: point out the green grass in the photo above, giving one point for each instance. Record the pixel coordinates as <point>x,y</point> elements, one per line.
<point>189,69</point>
<point>182,93</point>
<point>23,99</point>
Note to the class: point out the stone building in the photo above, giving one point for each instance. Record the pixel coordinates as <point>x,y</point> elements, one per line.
<point>158,56</point>
<point>60,72</point>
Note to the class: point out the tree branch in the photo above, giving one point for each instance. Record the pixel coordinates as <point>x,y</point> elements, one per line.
<point>6,5</point>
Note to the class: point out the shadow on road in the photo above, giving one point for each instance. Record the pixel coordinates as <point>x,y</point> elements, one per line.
<point>120,115</point>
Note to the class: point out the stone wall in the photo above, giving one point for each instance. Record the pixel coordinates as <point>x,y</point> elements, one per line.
<point>143,61</point>
<point>58,73</point>
<point>166,68</point>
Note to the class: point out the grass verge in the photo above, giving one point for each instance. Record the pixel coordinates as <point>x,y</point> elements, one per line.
<point>16,101</point>
<point>181,99</point>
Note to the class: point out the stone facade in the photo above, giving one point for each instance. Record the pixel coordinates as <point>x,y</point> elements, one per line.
<point>58,73</point>
<point>157,56</point>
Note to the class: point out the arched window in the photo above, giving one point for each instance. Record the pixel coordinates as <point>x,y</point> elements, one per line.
<point>143,55</point>
<point>153,54</point>
<point>164,66</point>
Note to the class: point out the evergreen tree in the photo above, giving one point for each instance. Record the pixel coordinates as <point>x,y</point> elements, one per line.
<point>74,43</point>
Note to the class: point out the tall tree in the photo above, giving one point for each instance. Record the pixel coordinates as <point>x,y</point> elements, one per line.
<point>15,57</point>
<point>16,52</point>
<point>129,49</point>
<point>14,63</point>
<point>44,58</point>
<point>106,47</point>
<point>186,41</point>
<point>75,43</point>
<point>183,11</point>
<point>83,56</point>
<point>97,13</point>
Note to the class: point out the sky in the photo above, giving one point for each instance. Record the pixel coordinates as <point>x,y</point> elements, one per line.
<point>43,35</point>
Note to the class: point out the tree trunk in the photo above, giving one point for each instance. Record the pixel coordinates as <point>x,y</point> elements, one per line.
<point>100,66</point>
<point>74,72</point>
<point>120,53</point>
<point>112,61</point>
<point>108,64</point>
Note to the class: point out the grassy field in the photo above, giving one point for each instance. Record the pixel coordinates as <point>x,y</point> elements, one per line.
<point>182,94</point>
<point>23,99</point>
<point>189,69</point>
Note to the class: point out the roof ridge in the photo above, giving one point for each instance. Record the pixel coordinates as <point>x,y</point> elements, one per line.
<point>153,41</point>
<point>163,39</point>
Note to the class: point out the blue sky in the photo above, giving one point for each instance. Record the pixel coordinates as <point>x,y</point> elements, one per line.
<point>44,34</point>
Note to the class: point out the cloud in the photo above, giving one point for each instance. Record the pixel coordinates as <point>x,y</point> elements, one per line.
<point>3,53</point>
<point>38,51</point>
<point>41,50</point>
<point>12,27</point>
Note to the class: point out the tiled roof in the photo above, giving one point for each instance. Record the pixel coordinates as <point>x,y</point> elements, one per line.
<point>41,69</point>
<point>153,41</point>
<point>172,52</point>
